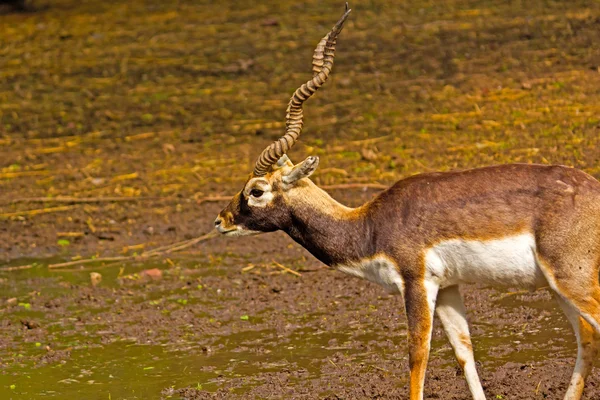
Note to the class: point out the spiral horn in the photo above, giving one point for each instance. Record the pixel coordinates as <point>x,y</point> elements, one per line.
<point>322,64</point>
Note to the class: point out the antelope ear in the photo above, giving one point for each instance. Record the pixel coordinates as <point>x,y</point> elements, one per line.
<point>284,161</point>
<point>302,170</point>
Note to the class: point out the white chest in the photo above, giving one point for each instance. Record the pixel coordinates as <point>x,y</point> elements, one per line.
<point>380,270</point>
<point>509,261</point>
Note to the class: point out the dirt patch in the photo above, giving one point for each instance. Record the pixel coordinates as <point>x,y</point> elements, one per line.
<point>324,335</point>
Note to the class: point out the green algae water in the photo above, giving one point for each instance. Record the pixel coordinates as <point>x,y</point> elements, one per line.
<point>77,356</point>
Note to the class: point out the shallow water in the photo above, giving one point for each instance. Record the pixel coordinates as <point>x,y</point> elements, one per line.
<point>125,369</point>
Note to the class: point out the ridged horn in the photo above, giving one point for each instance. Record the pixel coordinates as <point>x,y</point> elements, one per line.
<point>322,64</point>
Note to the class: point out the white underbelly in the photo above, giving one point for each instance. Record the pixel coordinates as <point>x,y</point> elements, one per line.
<point>509,261</point>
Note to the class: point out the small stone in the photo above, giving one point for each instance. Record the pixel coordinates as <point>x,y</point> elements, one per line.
<point>30,324</point>
<point>154,274</point>
<point>368,155</point>
<point>168,148</point>
<point>11,301</point>
<point>269,22</point>
<point>95,278</point>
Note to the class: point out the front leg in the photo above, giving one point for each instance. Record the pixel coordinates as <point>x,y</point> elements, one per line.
<point>419,301</point>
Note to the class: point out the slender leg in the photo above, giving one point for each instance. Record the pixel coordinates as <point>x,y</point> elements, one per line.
<point>585,301</point>
<point>577,286</point>
<point>419,301</point>
<point>451,311</point>
<point>588,342</point>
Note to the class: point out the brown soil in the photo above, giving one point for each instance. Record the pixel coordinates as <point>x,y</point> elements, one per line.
<point>367,345</point>
<point>163,104</point>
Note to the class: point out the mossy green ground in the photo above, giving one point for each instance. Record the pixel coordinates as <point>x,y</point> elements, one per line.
<point>177,98</point>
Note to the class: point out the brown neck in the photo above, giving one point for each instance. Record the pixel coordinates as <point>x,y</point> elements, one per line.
<point>332,232</point>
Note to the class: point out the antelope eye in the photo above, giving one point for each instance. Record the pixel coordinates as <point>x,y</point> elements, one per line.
<point>256,193</point>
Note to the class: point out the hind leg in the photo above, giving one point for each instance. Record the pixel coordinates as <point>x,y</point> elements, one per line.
<point>576,283</point>
<point>588,343</point>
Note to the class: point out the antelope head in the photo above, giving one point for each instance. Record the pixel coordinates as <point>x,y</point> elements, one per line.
<point>265,203</point>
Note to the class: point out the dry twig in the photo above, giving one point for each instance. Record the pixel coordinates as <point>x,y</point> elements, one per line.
<point>70,199</point>
<point>191,242</point>
<point>91,260</point>
<point>36,211</point>
<point>286,269</point>
<point>20,267</point>
<point>145,255</point>
<point>248,268</point>
<point>519,292</point>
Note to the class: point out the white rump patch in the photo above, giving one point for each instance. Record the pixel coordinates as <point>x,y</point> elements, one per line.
<point>509,261</point>
<point>380,270</point>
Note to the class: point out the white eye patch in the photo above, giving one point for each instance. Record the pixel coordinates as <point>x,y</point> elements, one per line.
<point>253,191</point>
<point>261,201</point>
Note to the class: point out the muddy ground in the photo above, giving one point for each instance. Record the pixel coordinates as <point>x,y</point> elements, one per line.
<point>153,111</point>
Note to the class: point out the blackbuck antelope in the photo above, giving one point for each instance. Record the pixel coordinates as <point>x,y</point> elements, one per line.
<point>511,225</point>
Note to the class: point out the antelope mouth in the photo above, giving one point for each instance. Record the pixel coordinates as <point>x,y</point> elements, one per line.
<point>224,231</point>
<point>237,231</point>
